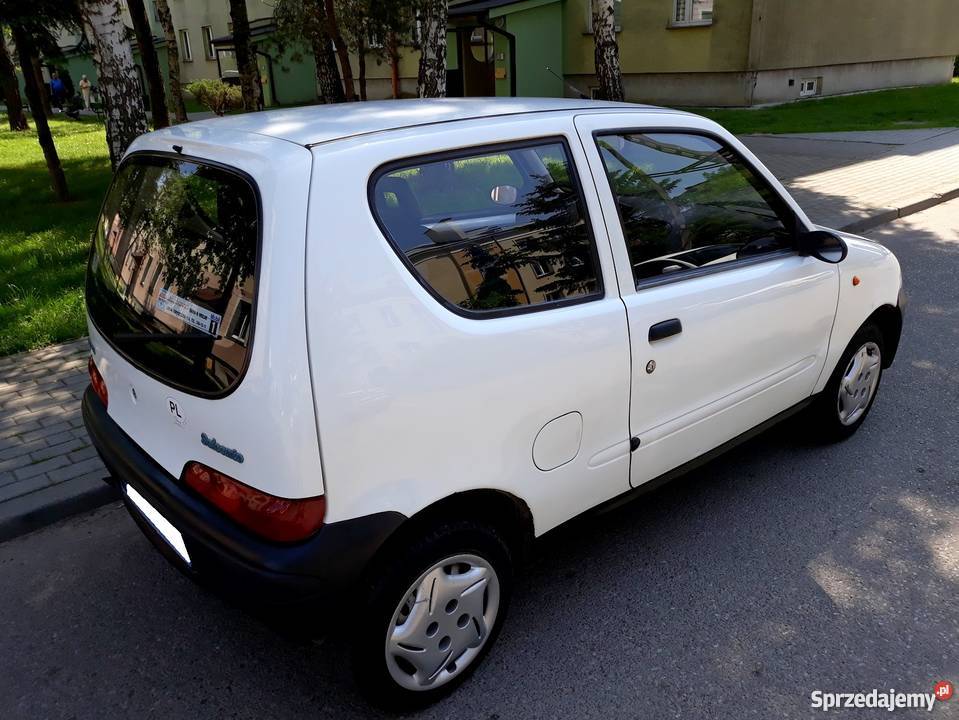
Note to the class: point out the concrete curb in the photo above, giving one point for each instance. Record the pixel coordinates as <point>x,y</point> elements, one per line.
<point>887,216</point>
<point>31,512</point>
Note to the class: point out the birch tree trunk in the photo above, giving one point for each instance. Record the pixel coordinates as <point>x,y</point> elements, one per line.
<point>608,72</point>
<point>117,75</point>
<point>27,51</point>
<point>245,56</point>
<point>327,74</point>
<point>11,89</point>
<point>173,60</point>
<point>342,51</point>
<point>151,64</point>
<point>431,81</point>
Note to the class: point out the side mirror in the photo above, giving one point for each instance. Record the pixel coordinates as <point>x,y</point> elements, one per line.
<point>823,245</point>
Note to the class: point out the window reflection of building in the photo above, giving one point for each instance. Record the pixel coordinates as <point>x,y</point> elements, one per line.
<point>528,277</point>
<point>140,276</point>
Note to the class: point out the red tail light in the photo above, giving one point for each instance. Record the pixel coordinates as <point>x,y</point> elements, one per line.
<point>271,517</point>
<point>96,379</point>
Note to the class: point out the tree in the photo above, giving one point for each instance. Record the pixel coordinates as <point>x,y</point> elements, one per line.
<point>151,64</point>
<point>36,68</point>
<point>26,49</point>
<point>245,57</point>
<point>342,51</point>
<point>173,60</point>
<point>433,16</point>
<point>31,25</point>
<point>390,21</point>
<point>304,22</point>
<point>606,53</point>
<point>119,89</point>
<point>372,27</point>
<point>392,48</point>
<point>352,20</point>
<point>11,89</point>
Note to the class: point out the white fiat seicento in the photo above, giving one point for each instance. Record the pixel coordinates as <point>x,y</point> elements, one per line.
<point>357,357</point>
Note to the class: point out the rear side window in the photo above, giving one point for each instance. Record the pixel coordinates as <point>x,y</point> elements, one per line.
<point>491,231</point>
<point>686,201</point>
<point>172,273</point>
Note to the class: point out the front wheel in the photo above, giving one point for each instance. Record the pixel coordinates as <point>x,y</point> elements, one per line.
<point>846,400</point>
<point>432,615</point>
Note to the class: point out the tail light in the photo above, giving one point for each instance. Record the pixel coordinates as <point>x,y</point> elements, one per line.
<point>96,380</point>
<point>271,517</point>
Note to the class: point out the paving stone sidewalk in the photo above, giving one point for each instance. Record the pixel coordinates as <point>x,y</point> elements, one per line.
<point>852,181</point>
<point>857,180</point>
<point>48,469</point>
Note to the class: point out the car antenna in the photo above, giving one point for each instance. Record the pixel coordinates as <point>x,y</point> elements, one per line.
<point>580,93</point>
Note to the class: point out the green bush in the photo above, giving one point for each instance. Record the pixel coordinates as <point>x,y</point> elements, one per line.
<point>216,95</point>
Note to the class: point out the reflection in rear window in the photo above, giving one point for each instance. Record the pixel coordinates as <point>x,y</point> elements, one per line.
<point>171,280</point>
<point>492,231</point>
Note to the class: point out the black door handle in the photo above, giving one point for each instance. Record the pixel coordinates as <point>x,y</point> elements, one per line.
<point>665,329</point>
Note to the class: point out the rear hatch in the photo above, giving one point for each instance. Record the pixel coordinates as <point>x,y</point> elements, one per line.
<point>197,315</point>
<point>172,274</point>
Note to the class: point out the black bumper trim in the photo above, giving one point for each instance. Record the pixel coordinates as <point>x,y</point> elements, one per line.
<point>223,553</point>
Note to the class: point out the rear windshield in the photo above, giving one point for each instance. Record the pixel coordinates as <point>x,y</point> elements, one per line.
<point>172,275</point>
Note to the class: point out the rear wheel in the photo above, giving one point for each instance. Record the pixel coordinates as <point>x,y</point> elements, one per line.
<point>848,397</point>
<point>432,614</point>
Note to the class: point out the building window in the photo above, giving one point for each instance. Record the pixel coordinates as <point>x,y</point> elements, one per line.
<point>146,269</point>
<point>207,31</point>
<point>156,13</point>
<point>185,50</point>
<point>492,232</point>
<point>617,16</point>
<point>693,12</point>
<point>240,327</point>
<point>808,87</point>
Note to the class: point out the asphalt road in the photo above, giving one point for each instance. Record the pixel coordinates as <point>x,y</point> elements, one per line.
<point>777,570</point>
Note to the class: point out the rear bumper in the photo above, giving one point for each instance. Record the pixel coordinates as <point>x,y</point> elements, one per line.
<point>224,555</point>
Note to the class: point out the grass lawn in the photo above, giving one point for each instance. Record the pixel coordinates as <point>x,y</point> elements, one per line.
<point>925,107</point>
<point>43,243</point>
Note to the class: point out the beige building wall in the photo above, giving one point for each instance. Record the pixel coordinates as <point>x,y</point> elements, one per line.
<point>762,51</point>
<point>806,33</point>
<point>650,43</point>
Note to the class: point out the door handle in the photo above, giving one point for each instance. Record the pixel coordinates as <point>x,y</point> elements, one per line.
<point>665,329</point>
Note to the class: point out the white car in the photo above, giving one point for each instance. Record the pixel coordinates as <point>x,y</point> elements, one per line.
<point>357,357</point>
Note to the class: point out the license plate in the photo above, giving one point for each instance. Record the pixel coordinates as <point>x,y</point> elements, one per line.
<point>159,523</point>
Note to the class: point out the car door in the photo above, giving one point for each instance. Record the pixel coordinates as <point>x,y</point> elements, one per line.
<point>728,324</point>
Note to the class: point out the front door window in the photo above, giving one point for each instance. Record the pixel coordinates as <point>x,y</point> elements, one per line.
<point>687,201</point>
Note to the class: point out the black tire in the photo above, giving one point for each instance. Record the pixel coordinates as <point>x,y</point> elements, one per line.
<point>387,586</point>
<point>823,415</point>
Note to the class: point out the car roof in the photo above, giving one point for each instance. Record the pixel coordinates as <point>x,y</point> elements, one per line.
<point>315,124</point>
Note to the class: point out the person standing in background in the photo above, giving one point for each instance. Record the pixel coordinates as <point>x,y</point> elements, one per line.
<point>56,90</point>
<point>85,91</point>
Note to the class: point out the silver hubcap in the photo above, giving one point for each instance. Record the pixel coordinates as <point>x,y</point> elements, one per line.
<point>442,622</point>
<point>858,383</point>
